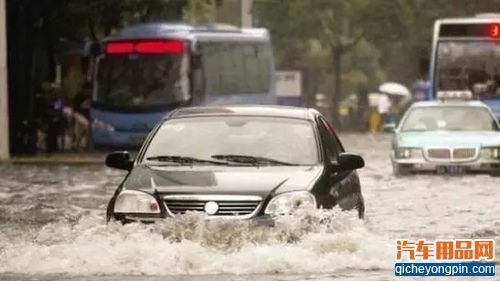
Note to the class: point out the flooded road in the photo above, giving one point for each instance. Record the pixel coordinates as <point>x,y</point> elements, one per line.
<point>52,227</point>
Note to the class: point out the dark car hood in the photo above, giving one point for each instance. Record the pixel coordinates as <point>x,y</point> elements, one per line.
<point>222,180</point>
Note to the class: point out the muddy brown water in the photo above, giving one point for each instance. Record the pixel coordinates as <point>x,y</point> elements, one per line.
<point>52,228</point>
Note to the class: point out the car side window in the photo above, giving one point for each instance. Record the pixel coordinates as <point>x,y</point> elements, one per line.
<point>333,146</point>
<point>338,144</point>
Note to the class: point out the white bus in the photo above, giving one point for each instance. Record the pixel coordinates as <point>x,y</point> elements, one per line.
<point>466,57</point>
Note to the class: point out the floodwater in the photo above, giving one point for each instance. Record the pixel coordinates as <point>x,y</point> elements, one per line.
<point>52,227</point>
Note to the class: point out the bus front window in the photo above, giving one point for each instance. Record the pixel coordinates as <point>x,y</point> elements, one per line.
<point>469,65</point>
<point>140,81</point>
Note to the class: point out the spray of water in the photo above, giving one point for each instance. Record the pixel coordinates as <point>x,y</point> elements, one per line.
<point>320,241</point>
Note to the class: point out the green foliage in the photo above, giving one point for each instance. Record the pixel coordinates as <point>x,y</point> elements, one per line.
<point>228,11</point>
<point>78,19</point>
<point>378,39</point>
<point>200,11</point>
<point>285,22</point>
<point>338,26</point>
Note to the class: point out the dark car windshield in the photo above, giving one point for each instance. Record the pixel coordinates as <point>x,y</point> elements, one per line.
<point>140,81</point>
<point>455,118</point>
<point>233,138</point>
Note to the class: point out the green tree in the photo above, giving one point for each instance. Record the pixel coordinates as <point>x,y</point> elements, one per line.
<point>378,39</point>
<point>337,25</point>
<point>200,11</point>
<point>342,31</point>
<point>78,19</point>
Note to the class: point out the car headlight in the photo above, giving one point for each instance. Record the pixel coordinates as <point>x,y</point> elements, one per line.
<point>132,201</point>
<point>490,152</point>
<point>408,153</point>
<point>291,202</point>
<point>103,125</point>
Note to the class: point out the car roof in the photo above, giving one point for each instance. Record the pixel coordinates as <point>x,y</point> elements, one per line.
<point>438,103</point>
<point>246,110</point>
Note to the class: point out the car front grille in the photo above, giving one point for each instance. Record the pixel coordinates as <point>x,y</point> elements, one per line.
<point>439,153</point>
<point>451,154</point>
<point>464,153</point>
<point>229,205</point>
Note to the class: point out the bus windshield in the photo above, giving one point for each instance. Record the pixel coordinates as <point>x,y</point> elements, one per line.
<point>469,65</point>
<point>140,81</point>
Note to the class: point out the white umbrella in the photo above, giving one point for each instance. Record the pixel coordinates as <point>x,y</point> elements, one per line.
<point>373,99</point>
<point>394,89</point>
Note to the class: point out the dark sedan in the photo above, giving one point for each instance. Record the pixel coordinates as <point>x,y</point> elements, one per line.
<point>237,162</point>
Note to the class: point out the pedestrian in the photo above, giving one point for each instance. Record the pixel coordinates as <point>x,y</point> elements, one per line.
<point>374,120</point>
<point>40,112</point>
<point>379,111</point>
<point>55,122</point>
<point>81,118</point>
<point>363,109</point>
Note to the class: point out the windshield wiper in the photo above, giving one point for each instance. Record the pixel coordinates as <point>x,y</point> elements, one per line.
<point>184,160</point>
<point>248,159</point>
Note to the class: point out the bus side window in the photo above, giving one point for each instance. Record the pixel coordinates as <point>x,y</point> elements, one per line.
<point>256,69</point>
<point>235,68</point>
<point>211,67</point>
<point>197,79</point>
<point>195,61</point>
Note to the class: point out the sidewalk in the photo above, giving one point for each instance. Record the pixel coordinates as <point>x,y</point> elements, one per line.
<point>59,159</point>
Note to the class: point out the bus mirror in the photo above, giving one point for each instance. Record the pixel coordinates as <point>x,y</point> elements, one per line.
<point>93,49</point>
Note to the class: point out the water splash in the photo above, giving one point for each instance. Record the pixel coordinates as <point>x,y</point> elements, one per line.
<point>322,241</point>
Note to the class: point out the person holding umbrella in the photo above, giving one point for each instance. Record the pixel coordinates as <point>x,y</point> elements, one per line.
<point>398,95</point>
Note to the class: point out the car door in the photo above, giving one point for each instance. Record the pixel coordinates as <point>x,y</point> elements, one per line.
<point>343,186</point>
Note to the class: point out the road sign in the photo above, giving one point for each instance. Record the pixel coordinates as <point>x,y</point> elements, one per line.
<point>288,83</point>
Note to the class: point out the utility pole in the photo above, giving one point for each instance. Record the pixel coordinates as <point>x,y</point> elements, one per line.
<point>246,13</point>
<point>4,108</point>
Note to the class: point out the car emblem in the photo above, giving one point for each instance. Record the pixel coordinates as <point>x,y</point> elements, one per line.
<point>211,208</point>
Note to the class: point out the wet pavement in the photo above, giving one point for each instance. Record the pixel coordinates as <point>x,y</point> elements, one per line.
<point>52,227</point>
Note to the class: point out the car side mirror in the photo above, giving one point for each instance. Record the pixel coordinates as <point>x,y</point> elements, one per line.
<point>391,127</point>
<point>349,161</point>
<point>119,160</point>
